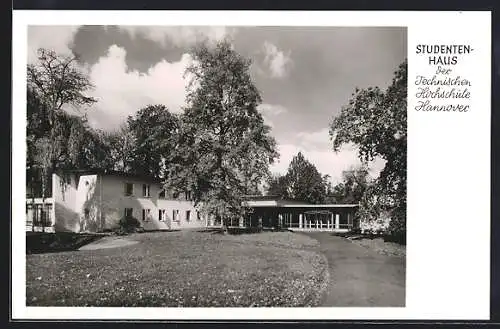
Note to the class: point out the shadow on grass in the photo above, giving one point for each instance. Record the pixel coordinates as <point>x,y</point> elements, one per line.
<point>241,230</point>
<point>160,230</point>
<point>37,243</point>
<point>398,239</point>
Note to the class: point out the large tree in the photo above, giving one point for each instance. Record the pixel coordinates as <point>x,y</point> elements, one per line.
<point>121,146</point>
<point>154,131</point>
<point>223,146</point>
<point>354,184</point>
<point>58,82</point>
<point>55,83</point>
<point>375,120</point>
<point>304,181</point>
<point>277,185</point>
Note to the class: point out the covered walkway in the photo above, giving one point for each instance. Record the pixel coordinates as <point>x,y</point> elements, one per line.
<point>273,213</point>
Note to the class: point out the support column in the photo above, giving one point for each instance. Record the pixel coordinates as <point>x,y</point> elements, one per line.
<point>337,221</point>
<point>300,220</point>
<point>53,215</point>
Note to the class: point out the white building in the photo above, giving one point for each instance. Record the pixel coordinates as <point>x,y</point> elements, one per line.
<point>94,201</point>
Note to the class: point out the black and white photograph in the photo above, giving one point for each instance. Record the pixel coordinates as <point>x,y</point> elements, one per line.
<point>216,166</point>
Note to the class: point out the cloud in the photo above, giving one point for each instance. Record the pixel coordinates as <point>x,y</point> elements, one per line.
<point>121,92</point>
<point>57,38</point>
<point>316,140</point>
<point>180,35</point>
<point>277,62</point>
<point>270,112</point>
<point>316,148</point>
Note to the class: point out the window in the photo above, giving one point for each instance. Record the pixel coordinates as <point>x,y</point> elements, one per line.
<point>162,194</point>
<point>145,190</point>
<point>188,195</point>
<point>161,214</point>
<point>87,213</point>
<point>188,215</point>
<point>146,213</point>
<point>129,189</point>
<point>175,215</point>
<point>198,215</point>
<point>42,215</point>
<point>129,212</point>
<point>175,195</point>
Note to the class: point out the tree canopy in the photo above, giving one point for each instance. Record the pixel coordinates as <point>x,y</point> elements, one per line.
<point>153,130</point>
<point>354,184</point>
<point>278,186</point>
<point>376,121</point>
<point>57,82</point>
<point>305,183</point>
<point>223,146</point>
<point>121,145</point>
<point>55,138</point>
<point>302,182</point>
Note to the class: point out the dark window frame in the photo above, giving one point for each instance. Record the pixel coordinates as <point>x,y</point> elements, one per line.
<point>146,214</point>
<point>127,185</point>
<point>127,214</point>
<point>146,190</point>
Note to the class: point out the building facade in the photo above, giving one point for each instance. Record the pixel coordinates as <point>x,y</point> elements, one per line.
<point>269,211</point>
<point>95,201</point>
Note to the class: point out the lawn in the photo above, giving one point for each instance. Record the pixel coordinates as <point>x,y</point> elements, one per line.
<point>383,247</point>
<point>376,243</point>
<point>190,269</point>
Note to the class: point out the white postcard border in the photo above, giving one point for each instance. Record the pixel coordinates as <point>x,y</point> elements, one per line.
<point>448,252</point>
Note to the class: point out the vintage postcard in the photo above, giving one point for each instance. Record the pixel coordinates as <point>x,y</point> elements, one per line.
<point>280,165</point>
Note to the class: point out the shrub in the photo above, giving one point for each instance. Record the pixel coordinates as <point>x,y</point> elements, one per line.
<point>375,226</point>
<point>127,225</point>
<point>396,236</point>
<point>396,231</point>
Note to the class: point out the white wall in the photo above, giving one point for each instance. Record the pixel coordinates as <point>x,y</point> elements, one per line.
<point>94,203</point>
<point>64,193</point>
<point>114,202</point>
<point>87,204</point>
<point>182,207</point>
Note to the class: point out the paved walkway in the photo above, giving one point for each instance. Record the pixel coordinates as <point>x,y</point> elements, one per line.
<point>108,242</point>
<point>360,276</point>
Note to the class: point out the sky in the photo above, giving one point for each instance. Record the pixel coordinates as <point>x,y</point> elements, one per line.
<point>305,75</point>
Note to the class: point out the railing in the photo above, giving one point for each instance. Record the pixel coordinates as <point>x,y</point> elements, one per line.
<point>39,214</point>
<point>319,226</point>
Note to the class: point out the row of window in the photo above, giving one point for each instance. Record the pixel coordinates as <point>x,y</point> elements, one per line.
<point>129,189</point>
<point>146,214</point>
<point>146,191</point>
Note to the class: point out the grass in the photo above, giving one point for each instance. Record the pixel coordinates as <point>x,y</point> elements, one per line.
<point>383,247</point>
<point>177,269</point>
<point>53,242</point>
<point>379,243</point>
